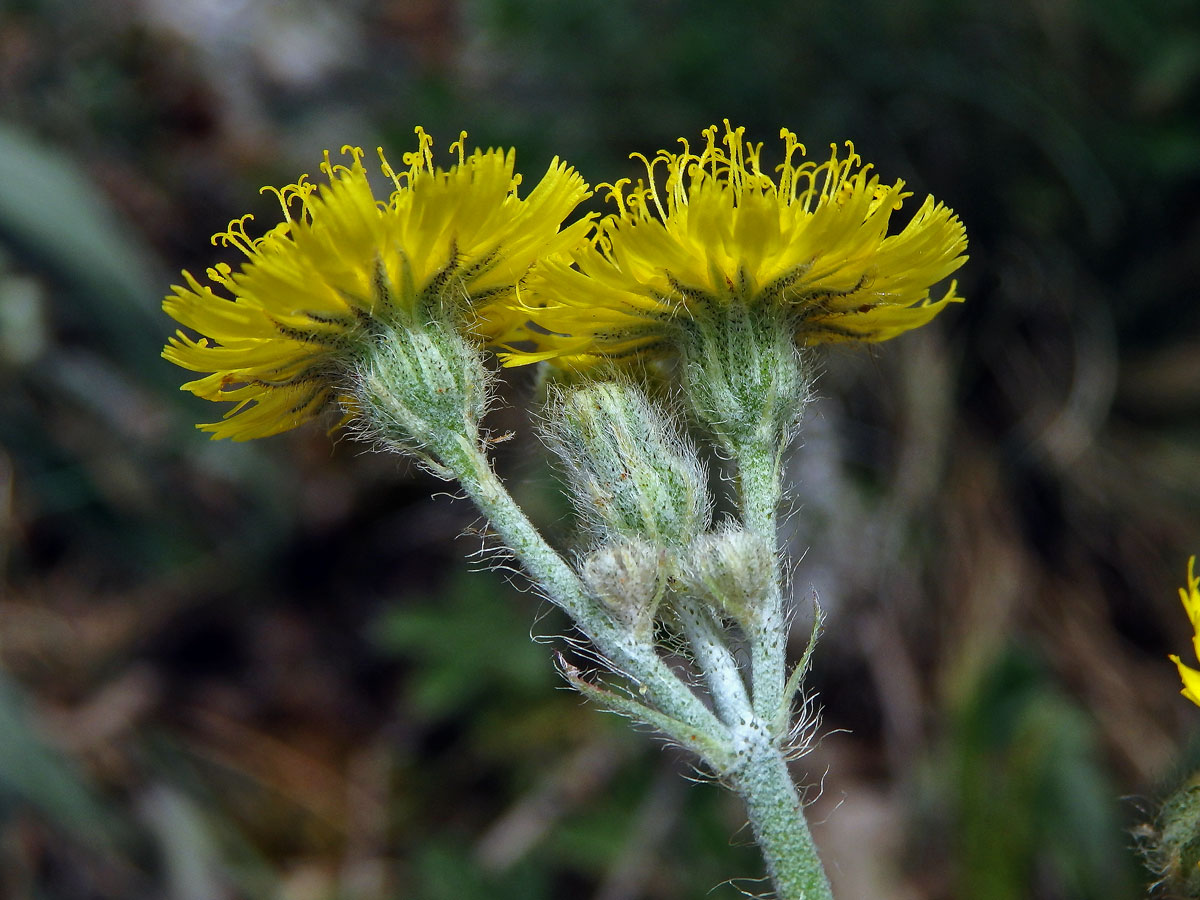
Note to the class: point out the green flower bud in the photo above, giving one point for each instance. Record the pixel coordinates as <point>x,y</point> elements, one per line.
<point>744,378</point>
<point>629,471</point>
<point>731,570</point>
<point>420,389</point>
<point>628,578</point>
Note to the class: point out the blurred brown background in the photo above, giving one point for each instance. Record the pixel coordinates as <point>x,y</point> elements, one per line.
<point>266,670</point>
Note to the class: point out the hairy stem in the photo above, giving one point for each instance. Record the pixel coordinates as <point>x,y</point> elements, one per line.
<point>759,481</point>
<point>716,662</point>
<point>759,490</point>
<point>635,658</point>
<point>777,817</point>
<point>763,780</point>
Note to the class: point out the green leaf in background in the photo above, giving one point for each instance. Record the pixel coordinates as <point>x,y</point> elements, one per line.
<point>448,872</point>
<point>33,773</point>
<point>1035,810</point>
<point>57,219</point>
<point>467,642</point>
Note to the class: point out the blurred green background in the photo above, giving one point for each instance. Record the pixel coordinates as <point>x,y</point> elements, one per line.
<point>266,671</point>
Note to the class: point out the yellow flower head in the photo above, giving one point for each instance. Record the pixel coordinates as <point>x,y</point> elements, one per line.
<point>1190,596</point>
<point>308,297</point>
<point>812,241</point>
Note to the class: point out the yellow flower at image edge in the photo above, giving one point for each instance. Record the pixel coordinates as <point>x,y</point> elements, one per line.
<point>1190,596</point>
<point>811,242</point>
<point>307,299</point>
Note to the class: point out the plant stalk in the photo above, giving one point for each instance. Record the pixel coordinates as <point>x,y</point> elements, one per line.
<point>777,818</point>
<point>760,489</point>
<point>635,658</point>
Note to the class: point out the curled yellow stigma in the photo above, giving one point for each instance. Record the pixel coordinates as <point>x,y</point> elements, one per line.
<point>710,226</point>
<point>280,331</point>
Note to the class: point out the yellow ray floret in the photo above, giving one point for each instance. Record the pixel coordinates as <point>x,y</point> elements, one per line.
<point>1190,596</point>
<point>286,325</point>
<point>812,240</point>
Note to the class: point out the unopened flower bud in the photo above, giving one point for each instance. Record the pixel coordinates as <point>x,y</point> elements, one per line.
<point>629,471</point>
<point>628,578</point>
<point>731,570</point>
